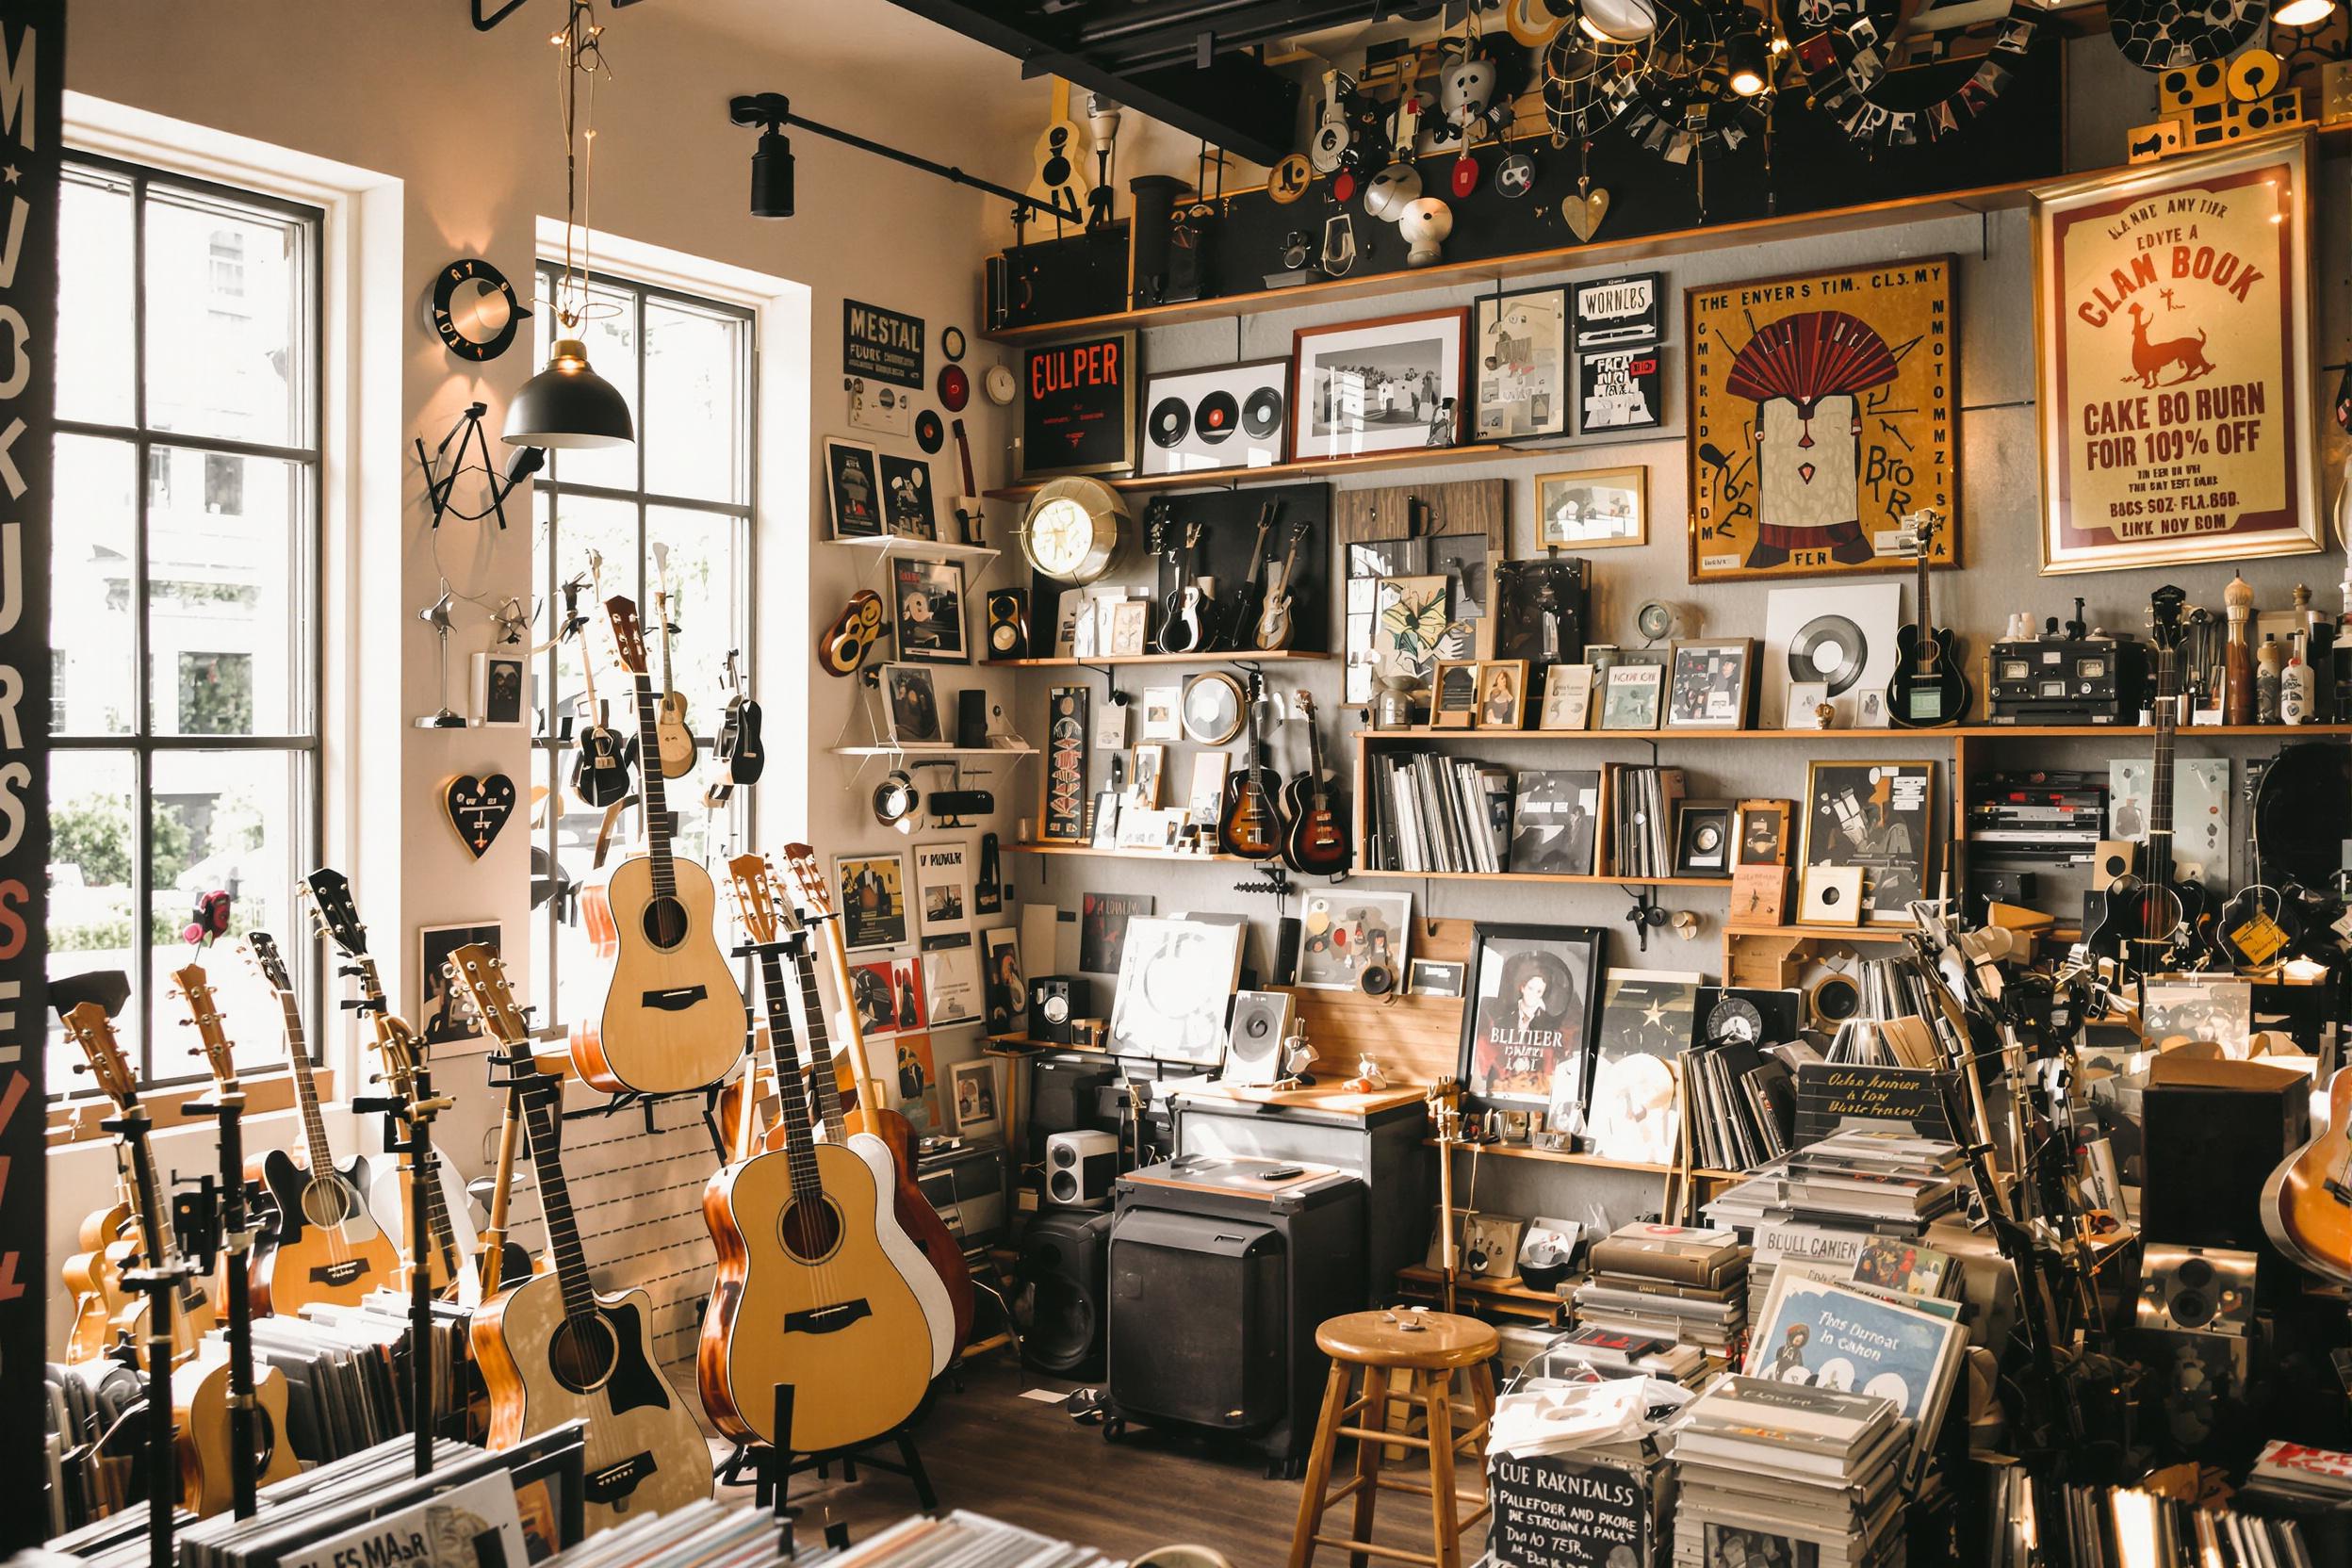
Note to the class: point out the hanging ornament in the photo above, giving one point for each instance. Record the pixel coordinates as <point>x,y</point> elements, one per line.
<point>1576,66</point>
<point>1846,60</point>
<point>1681,106</point>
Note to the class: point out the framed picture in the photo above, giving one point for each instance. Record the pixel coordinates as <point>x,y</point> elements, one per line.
<point>912,706</point>
<point>1567,697</point>
<point>1833,896</point>
<point>1540,610</point>
<point>501,689</point>
<point>1143,788</point>
<point>1175,977</point>
<point>1763,832</point>
<point>1463,560</point>
<point>1227,417</point>
<point>1377,387</point>
<point>1006,985</point>
<point>1803,703</point>
<point>1709,683</point>
<point>1844,636</point>
<point>1611,313</point>
<point>2175,368</point>
<point>1529,1014</point>
<point>444,1017</point>
<point>1703,838</point>
<point>1163,713</point>
<point>1454,695</point>
<point>1147,828</point>
<point>1207,796</point>
<point>1411,615</point>
<point>928,596</point>
<point>1877,818</point>
<point>1555,820</point>
<point>1342,932</point>
<point>1103,920</point>
<point>1631,697</point>
<point>943,892</point>
<point>952,982</point>
<point>1062,806</point>
<point>1796,409</point>
<point>1593,509</point>
<point>971,1089</point>
<point>1078,407</point>
<point>1646,1019</point>
<point>1503,694</point>
<point>1434,977</point>
<point>1520,363</point>
<point>917,1082</point>
<point>1131,628</point>
<point>853,488</point>
<point>1620,389</point>
<point>870,892</point>
<point>906,497</point>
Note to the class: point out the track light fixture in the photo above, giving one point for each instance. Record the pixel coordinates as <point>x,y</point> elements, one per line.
<point>772,160</point>
<point>2303,13</point>
<point>1745,54</point>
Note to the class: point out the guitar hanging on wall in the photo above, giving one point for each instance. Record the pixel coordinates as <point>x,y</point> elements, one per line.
<point>1929,687</point>
<point>600,772</point>
<point>677,739</point>
<point>1251,823</point>
<point>1314,844</point>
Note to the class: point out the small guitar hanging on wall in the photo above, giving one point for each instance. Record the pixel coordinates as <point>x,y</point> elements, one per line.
<point>478,808</point>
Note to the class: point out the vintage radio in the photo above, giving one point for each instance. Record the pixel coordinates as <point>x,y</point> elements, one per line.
<point>2068,680</point>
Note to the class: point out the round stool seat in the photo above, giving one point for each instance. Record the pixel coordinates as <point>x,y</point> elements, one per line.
<point>1444,1340</point>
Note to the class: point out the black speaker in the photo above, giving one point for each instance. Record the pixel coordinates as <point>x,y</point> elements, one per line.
<point>1008,623</point>
<point>1060,1298</point>
<point>972,719</point>
<point>1066,1095</point>
<point>1286,950</point>
<point>1053,1001</point>
<point>2202,1118</point>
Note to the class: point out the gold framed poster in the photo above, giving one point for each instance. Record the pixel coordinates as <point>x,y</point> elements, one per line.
<point>1824,408</point>
<point>2173,362</point>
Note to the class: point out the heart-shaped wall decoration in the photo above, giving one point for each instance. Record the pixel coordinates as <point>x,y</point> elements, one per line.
<point>478,808</point>
<point>1584,213</point>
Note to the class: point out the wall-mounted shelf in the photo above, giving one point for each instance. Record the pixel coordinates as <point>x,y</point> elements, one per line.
<point>1122,854</point>
<point>892,543</point>
<point>1410,457</point>
<point>1883,737</point>
<point>916,750</point>
<point>1571,879</point>
<point>1894,931</point>
<point>1594,1162</point>
<point>1229,655</point>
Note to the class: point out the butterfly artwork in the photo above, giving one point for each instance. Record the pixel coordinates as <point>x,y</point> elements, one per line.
<point>1412,616</point>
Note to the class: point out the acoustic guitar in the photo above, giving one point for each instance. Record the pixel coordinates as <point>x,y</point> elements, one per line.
<point>2307,1202</point>
<point>1249,824</point>
<point>671,1016</point>
<point>551,1349</point>
<point>674,738</point>
<point>816,1338</point>
<point>1930,685</point>
<point>600,772</point>
<point>325,1246</point>
<point>109,1239</point>
<point>1313,845</point>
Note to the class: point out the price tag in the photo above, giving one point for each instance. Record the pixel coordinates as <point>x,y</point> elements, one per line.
<point>2259,939</point>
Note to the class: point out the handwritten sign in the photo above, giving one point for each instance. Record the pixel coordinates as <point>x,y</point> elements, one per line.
<point>1559,1510</point>
<point>1829,1094</point>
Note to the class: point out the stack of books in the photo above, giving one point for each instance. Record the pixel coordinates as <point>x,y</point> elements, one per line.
<point>2122,1528</point>
<point>1615,1354</point>
<point>1872,1179</point>
<point>1777,1247</point>
<point>1667,1282</point>
<point>1436,814</point>
<point>1823,1334</point>
<point>1776,1473</point>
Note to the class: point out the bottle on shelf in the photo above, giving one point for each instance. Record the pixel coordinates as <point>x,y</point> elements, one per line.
<point>2237,706</point>
<point>2270,664</point>
<point>2297,689</point>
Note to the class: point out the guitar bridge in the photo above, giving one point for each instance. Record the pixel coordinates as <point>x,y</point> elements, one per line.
<point>826,1320</point>
<point>338,1274</point>
<point>676,1000</point>
<point>616,1482</point>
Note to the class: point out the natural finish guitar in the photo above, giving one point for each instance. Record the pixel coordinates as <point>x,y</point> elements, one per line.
<point>325,1248</point>
<point>551,1349</point>
<point>108,1239</point>
<point>817,1286</point>
<point>671,1018</point>
<point>2307,1202</point>
<point>674,736</point>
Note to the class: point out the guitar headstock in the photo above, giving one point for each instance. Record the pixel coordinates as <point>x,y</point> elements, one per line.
<point>195,987</point>
<point>262,948</point>
<point>1192,534</point>
<point>629,643</point>
<point>477,970</point>
<point>1922,526</point>
<point>2163,617</point>
<point>332,910</point>
<point>1305,700</point>
<point>808,875</point>
<point>755,896</point>
<point>88,1004</point>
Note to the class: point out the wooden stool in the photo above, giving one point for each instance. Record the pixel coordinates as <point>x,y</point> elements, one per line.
<point>1409,1361</point>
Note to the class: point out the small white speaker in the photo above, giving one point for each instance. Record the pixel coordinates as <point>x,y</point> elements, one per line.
<point>1079,1168</point>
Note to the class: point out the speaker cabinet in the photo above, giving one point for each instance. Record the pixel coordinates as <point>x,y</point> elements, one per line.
<point>2200,1117</point>
<point>1066,1095</point>
<point>1079,1168</point>
<point>1008,623</point>
<point>1054,1000</point>
<point>1060,1298</point>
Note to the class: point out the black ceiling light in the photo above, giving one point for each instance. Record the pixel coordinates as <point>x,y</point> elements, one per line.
<point>772,160</point>
<point>1745,56</point>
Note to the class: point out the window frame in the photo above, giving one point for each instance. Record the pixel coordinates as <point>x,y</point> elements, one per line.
<point>551,740</point>
<point>142,743</point>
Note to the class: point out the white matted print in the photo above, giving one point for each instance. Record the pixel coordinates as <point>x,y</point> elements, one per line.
<point>1378,387</point>
<point>1594,508</point>
<point>971,1089</point>
<point>1339,933</point>
<point>1519,362</point>
<point>1844,636</point>
<point>942,894</point>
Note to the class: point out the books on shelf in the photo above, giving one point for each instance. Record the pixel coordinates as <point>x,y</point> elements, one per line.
<point>1666,1282</point>
<point>2027,1520</point>
<point>1430,812</point>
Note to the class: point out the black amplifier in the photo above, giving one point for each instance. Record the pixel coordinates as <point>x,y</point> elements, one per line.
<point>2068,680</point>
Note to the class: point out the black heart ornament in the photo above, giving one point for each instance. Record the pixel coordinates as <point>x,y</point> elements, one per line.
<point>478,808</point>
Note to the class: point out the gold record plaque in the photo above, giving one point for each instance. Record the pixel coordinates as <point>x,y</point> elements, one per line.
<point>2173,362</point>
<point>1823,409</point>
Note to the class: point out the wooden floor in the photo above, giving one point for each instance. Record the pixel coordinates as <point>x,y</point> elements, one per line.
<point>1027,1461</point>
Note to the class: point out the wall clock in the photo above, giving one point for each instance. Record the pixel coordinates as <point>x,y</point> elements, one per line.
<point>999,385</point>
<point>1075,530</point>
<point>476,310</point>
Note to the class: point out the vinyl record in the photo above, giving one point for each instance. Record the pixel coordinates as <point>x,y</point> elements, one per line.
<point>954,387</point>
<point>1830,649</point>
<point>1262,415</point>
<point>1171,422</point>
<point>928,433</point>
<point>1216,417</point>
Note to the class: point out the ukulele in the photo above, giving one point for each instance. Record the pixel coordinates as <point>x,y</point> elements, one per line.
<point>1059,161</point>
<point>1313,845</point>
<point>676,740</point>
<point>325,1246</point>
<point>1191,621</point>
<point>841,646</point>
<point>742,757</point>
<point>1275,627</point>
<point>874,1113</point>
<point>970,515</point>
<point>551,1349</point>
<point>2155,923</point>
<point>1251,822</point>
<point>600,772</point>
<point>817,1286</point>
<point>1249,599</point>
<point>671,1017</point>
<point>1928,686</point>
<point>2307,1202</point>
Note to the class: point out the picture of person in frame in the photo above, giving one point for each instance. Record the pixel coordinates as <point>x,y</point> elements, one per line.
<point>1533,1025</point>
<point>914,706</point>
<point>1501,703</point>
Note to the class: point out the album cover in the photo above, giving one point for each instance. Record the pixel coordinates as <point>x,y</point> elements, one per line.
<point>906,992</point>
<point>1879,817</point>
<point>1103,928</point>
<point>1528,1016</point>
<point>1341,933</point>
<point>952,975</point>
<point>1844,636</point>
<point>1007,988</point>
<point>906,497</point>
<point>1743,1546</point>
<point>942,894</point>
<point>929,598</point>
<point>1620,389</point>
<point>1175,977</point>
<point>1253,1046</point>
<point>2211,1012</point>
<point>1555,815</point>
<point>1540,610</point>
<point>917,1082</point>
<point>870,892</point>
<point>1824,1335</point>
<point>875,997</point>
<point>1647,1017</point>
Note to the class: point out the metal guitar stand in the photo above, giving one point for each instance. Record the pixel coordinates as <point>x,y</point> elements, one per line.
<point>772,1469</point>
<point>232,1230</point>
<point>161,1286</point>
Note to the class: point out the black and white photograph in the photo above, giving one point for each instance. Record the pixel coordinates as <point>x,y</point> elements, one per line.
<point>1554,813</point>
<point>1593,509</point>
<point>444,1017</point>
<point>853,488</point>
<point>1539,609</point>
<point>1709,683</point>
<point>907,498</point>
<point>1519,364</point>
<point>1175,978</point>
<point>870,892</point>
<point>971,1089</point>
<point>1620,389</point>
<point>1341,934</point>
<point>1378,387</point>
<point>501,689</point>
<point>1880,818</point>
<point>1528,1015</point>
<point>929,599</point>
<point>912,703</point>
<point>942,892</point>
<point>1434,977</point>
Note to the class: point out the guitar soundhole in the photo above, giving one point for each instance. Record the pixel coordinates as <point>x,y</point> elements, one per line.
<point>665,923</point>
<point>810,1228</point>
<point>582,1353</point>
<point>265,1438</point>
<point>326,1205</point>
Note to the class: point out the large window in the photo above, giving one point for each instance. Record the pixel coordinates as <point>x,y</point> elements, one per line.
<point>184,744</point>
<point>684,363</point>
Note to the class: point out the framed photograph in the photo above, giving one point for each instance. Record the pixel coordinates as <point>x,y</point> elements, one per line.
<point>906,497</point>
<point>1227,417</point>
<point>1703,838</point>
<point>1147,828</point>
<point>1802,405</point>
<point>875,997</point>
<point>1876,819</point>
<point>1411,615</point>
<point>1645,1025</point>
<point>1539,609</point>
<point>2214,357</point>
<point>1162,713</point>
<point>1520,363</point>
<point>853,488</point>
<point>971,1089</point>
<point>870,892</point>
<point>943,892</point>
<point>1614,313</point>
<point>1434,977</point>
<point>1078,407</point>
<point>501,689</point>
<point>444,1017</point>
<point>1763,832</point>
<point>917,1082</point>
<point>1131,628</point>
<point>1593,509</point>
<point>1801,704</point>
<point>1533,998</point>
<point>1006,985</point>
<point>1555,821</point>
<point>1631,697</point>
<point>1842,635</point>
<point>1377,387</point>
<point>1463,559</point>
<point>928,596</point>
<point>1342,932</point>
<point>952,982</point>
<point>1567,697</point>
<point>911,704</point>
<point>1143,788</point>
<point>1205,798</point>
<point>1708,684</point>
<point>1503,694</point>
<point>1454,695</point>
<point>1620,389</point>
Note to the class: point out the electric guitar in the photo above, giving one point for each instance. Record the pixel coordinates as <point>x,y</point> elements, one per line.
<point>1928,686</point>
<point>325,1246</point>
<point>551,1349</point>
<point>970,517</point>
<point>677,741</point>
<point>1192,618</point>
<point>671,1017</point>
<point>1313,845</point>
<point>1275,627</point>
<point>816,1288</point>
<point>743,756</point>
<point>2307,1202</point>
<point>600,772</point>
<point>1251,822</point>
<point>2155,923</point>
<point>1249,599</point>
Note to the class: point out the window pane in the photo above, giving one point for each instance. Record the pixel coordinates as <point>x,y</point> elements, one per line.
<point>229,636</point>
<point>94,656</point>
<point>584,525</point>
<point>229,350</point>
<point>93,843</point>
<point>97,349</point>
<point>695,432</point>
<point>707,578</point>
<point>609,329</point>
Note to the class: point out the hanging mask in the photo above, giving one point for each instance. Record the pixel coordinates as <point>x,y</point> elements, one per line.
<point>1466,90</point>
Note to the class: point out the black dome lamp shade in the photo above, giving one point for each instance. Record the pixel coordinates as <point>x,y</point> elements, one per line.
<point>569,405</point>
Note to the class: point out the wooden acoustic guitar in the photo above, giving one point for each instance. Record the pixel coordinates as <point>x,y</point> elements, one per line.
<point>672,735</point>
<point>1313,845</point>
<point>671,1017</point>
<point>108,1240</point>
<point>325,1246</point>
<point>551,1349</point>
<point>2307,1202</point>
<point>819,1291</point>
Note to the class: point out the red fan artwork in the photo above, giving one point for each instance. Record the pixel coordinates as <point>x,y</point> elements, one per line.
<point>1808,358</point>
<point>1807,374</point>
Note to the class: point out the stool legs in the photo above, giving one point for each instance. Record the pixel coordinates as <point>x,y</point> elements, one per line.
<point>1400,1409</point>
<point>1368,1459</point>
<point>1437,1399</point>
<point>1320,1466</point>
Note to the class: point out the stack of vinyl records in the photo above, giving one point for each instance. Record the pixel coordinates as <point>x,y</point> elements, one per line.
<point>962,1539</point>
<point>1898,1268</point>
<point>1872,1179</point>
<point>1742,1104</point>
<point>1640,817</point>
<point>346,1372</point>
<point>1667,1282</point>
<point>2290,1472</point>
<point>1614,1354</point>
<point>1776,1473</point>
<point>1435,813</point>
<point>2101,1528</point>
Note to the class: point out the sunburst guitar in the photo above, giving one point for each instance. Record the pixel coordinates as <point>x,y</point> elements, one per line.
<point>843,645</point>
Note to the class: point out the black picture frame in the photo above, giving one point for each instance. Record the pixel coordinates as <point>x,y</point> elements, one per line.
<point>911,701</point>
<point>927,607</point>
<point>1619,312</point>
<point>1695,853</point>
<point>1078,403</point>
<point>1620,389</point>
<point>1881,817</point>
<point>906,505</point>
<point>853,488</point>
<point>1539,609</point>
<point>1512,1060</point>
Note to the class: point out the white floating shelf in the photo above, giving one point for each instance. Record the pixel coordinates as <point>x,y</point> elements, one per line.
<point>892,543</point>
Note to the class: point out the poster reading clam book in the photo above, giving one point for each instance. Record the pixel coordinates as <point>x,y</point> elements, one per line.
<point>2174,363</point>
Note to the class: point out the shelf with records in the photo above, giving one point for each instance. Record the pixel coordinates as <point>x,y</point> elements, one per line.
<point>1124,853</point>
<point>1227,656</point>
<point>1320,468</point>
<point>1427,813</point>
<point>1596,1162</point>
<point>1883,736</point>
<point>1571,879</point>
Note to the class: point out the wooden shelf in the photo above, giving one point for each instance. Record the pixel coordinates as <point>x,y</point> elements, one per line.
<point>1569,879</point>
<point>894,544</point>
<point>1892,932</point>
<point>1126,853</point>
<point>1891,736</point>
<point>1596,1162</point>
<point>1231,656</point>
<point>1464,1284</point>
<point>1410,457</point>
<point>914,749</point>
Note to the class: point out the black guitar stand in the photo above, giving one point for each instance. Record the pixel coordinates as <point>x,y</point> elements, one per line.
<point>408,1133</point>
<point>161,1286</point>
<point>770,1470</point>
<point>231,1231</point>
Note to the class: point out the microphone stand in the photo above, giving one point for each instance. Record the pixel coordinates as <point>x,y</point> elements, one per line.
<point>226,1105</point>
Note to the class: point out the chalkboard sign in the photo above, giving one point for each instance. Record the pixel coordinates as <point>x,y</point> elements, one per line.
<point>1832,1094</point>
<point>1078,406</point>
<point>1560,1511</point>
<point>881,345</point>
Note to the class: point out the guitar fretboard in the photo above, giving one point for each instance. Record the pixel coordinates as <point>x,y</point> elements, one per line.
<point>800,1154</point>
<point>656,803</point>
<point>305,1089</point>
<point>2160,786</point>
<point>824,1083</point>
<point>541,1121</point>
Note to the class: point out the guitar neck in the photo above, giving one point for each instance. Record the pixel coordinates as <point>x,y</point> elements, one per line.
<point>861,1070</point>
<point>826,1085</point>
<point>2160,785</point>
<point>540,1118</point>
<point>963,452</point>
<point>656,801</point>
<point>305,1089</point>
<point>800,1151</point>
